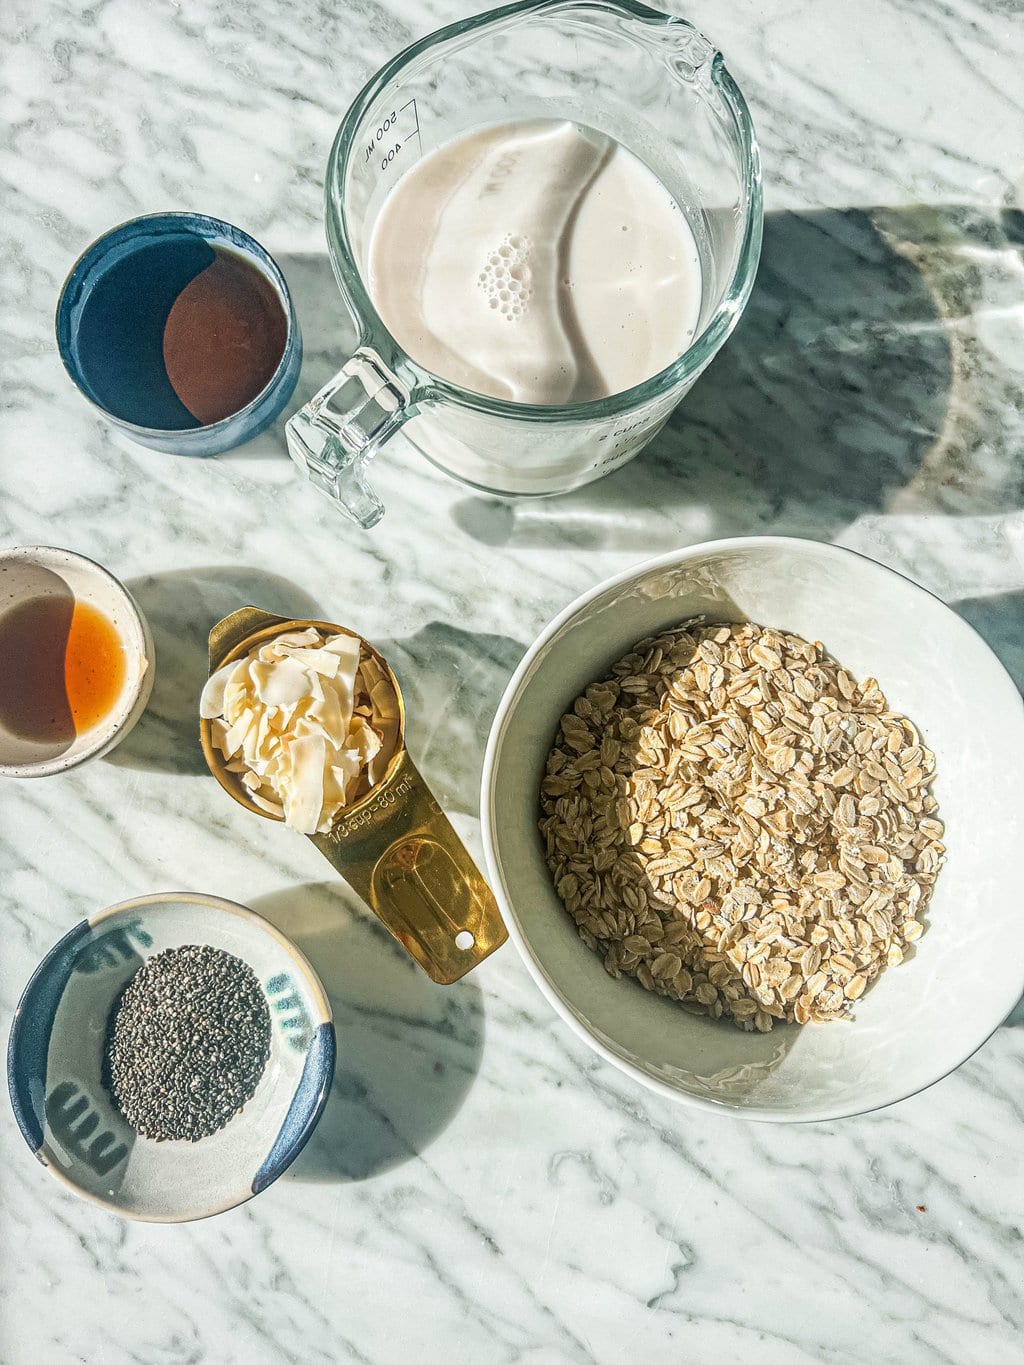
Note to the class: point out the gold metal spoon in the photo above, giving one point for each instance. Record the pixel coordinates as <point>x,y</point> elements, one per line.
<point>394,846</point>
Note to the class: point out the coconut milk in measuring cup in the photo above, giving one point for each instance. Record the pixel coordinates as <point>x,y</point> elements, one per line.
<point>544,221</point>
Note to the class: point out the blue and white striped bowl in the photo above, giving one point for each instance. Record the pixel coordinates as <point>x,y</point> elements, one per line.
<point>55,1058</point>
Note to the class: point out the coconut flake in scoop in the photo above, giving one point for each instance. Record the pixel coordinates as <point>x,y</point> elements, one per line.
<point>307,724</point>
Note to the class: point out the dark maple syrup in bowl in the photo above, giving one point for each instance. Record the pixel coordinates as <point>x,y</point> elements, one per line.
<point>176,333</point>
<point>62,669</point>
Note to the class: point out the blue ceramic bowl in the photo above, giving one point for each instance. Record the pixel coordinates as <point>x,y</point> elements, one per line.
<point>124,241</point>
<point>55,1057</point>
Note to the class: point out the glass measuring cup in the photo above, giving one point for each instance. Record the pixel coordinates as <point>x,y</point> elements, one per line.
<point>650,81</point>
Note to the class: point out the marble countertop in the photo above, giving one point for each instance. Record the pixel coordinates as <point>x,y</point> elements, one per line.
<point>483,1189</point>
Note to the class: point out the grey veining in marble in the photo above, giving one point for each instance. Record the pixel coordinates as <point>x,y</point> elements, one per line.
<point>482,1188</point>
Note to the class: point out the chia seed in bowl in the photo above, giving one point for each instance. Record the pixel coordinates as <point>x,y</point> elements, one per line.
<point>187,1043</point>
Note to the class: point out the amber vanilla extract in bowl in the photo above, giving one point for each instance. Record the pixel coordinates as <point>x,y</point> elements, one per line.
<point>76,661</point>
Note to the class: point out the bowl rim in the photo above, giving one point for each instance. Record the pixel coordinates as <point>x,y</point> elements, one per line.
<point>509,698</point>
<point>135,903</point>
<point>137,636</point>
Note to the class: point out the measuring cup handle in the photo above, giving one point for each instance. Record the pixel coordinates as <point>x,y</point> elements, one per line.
<point>399,852</point>
<point>344,426</point>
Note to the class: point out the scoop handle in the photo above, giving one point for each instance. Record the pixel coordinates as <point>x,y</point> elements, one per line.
<point>231,630</point>
<point>402,856</point>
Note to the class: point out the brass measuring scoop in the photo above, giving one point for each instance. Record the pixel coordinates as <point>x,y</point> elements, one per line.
<point>394,846</point>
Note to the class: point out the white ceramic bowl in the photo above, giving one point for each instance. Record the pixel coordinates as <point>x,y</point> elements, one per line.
<point>921,1019</point>
<point>55,1054</point>
<point>41,571</point>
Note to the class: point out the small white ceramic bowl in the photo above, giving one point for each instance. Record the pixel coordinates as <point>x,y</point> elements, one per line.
<point>54,1063</point>
<point>922,1019</point>
<point>41,571</point>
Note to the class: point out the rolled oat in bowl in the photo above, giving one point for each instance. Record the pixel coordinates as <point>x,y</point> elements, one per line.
<point>736,822</point>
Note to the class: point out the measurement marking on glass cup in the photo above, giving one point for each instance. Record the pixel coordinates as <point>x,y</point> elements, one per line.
<point>416,116</point>
<point>383,142</point>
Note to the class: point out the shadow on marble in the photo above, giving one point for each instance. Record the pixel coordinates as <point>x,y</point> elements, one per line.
<point>832,397</point>
<point>328,333</point>
<point>408,1050</point>
<point>452,680</point>
<point>181,607</point>
<point>999,620</point>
